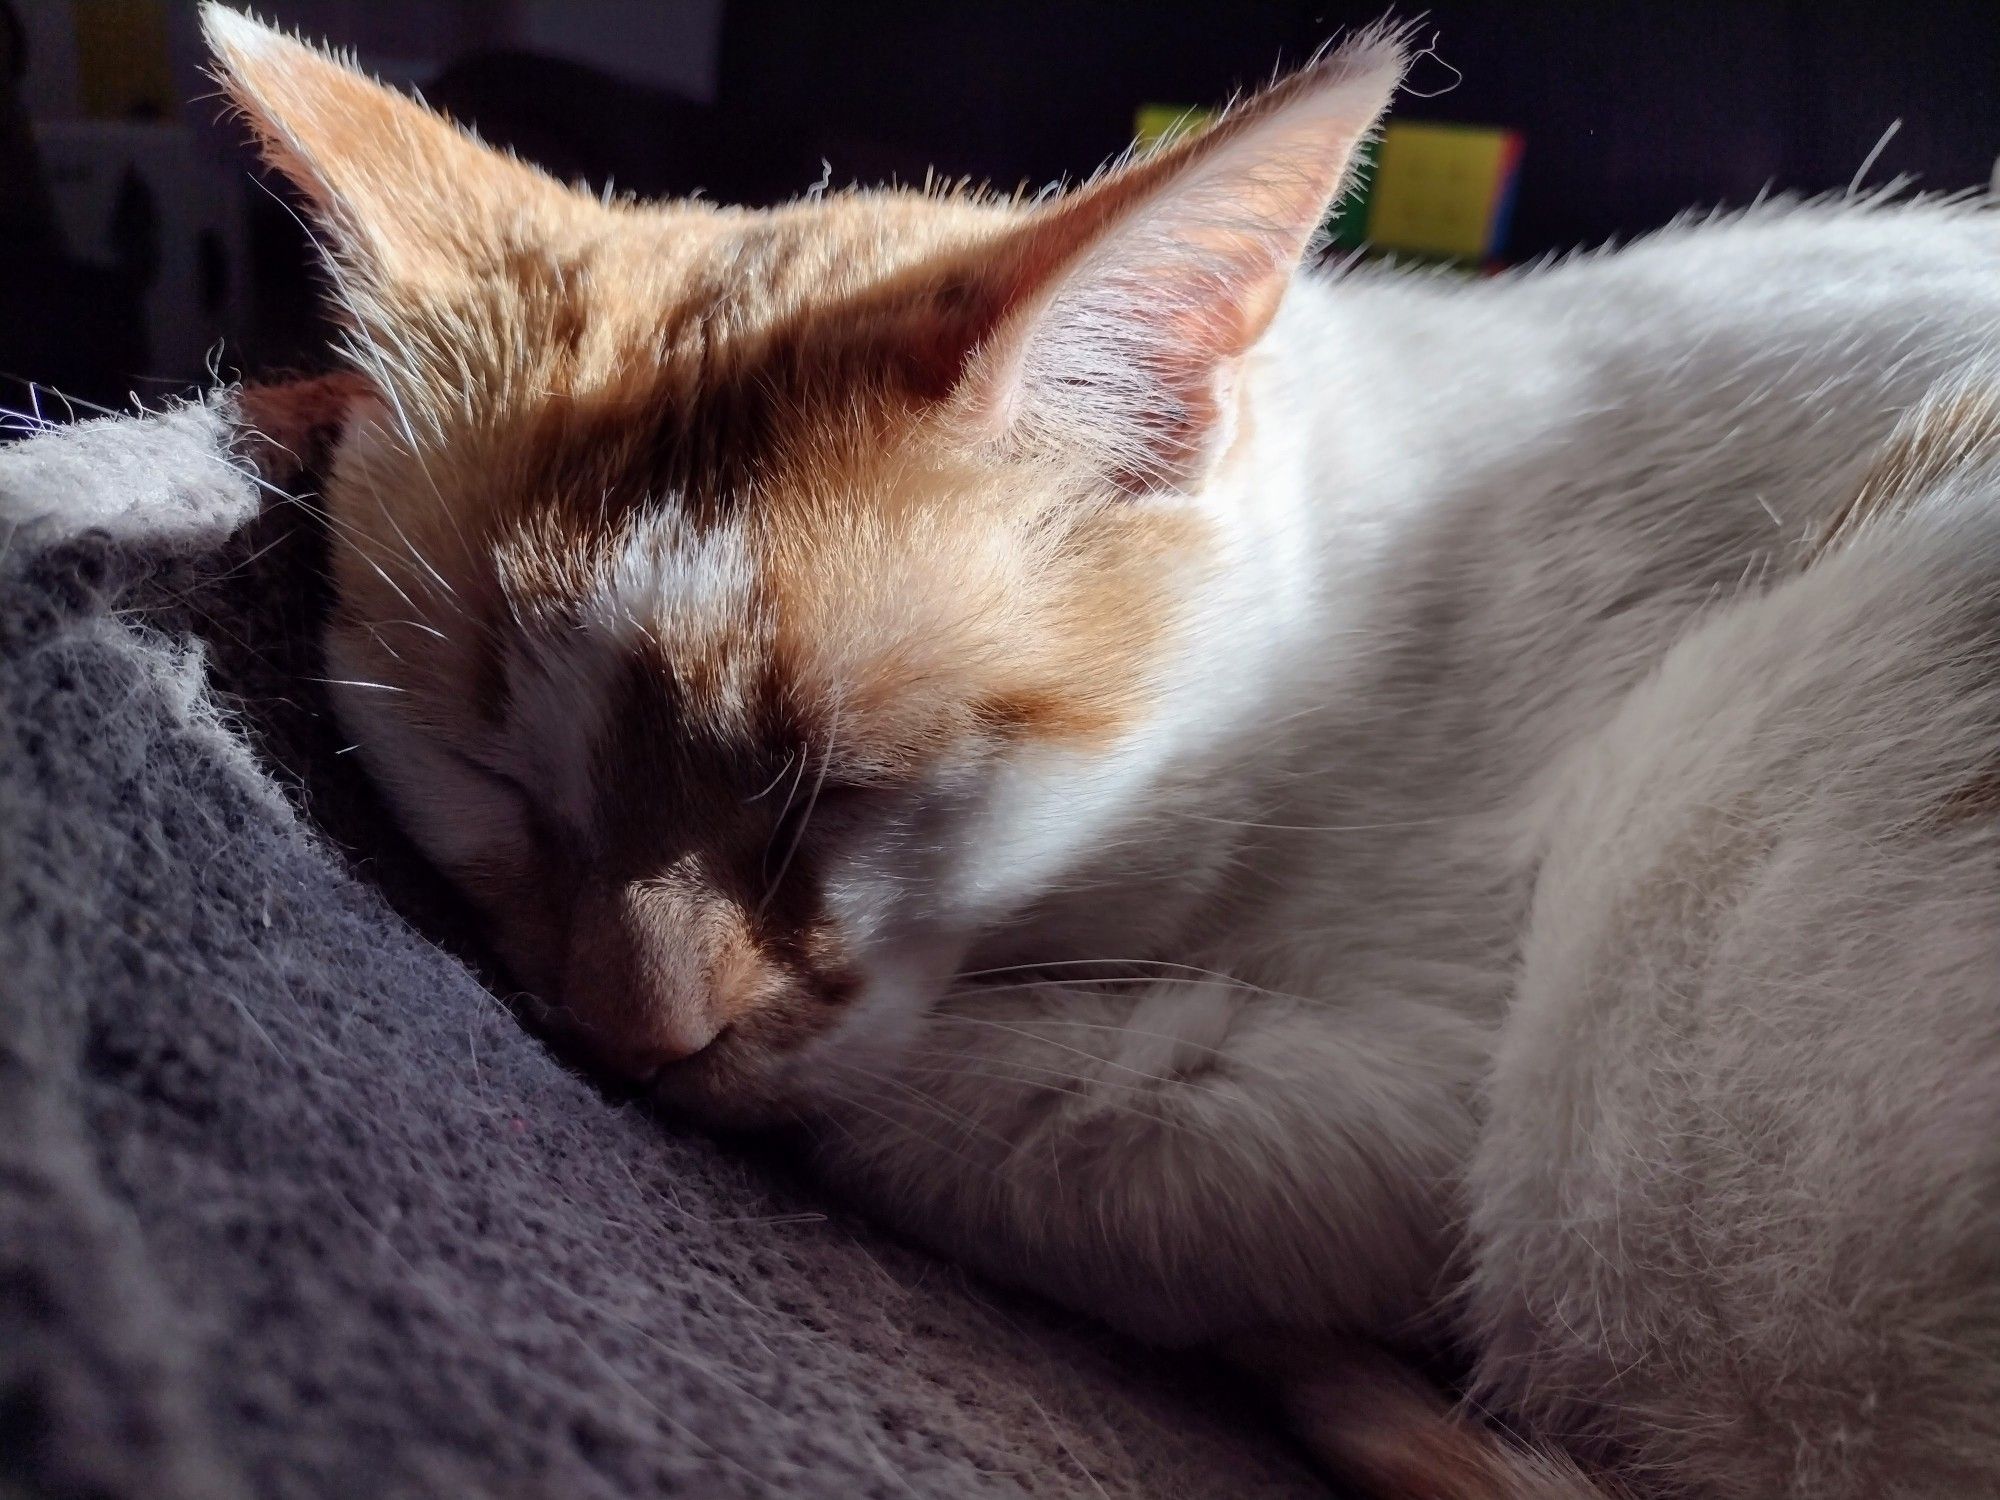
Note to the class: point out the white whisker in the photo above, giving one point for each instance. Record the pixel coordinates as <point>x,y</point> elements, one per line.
<point>354,682</point>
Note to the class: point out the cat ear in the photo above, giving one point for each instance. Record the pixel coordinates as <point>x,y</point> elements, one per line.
<point>1127,306</point>
<point>406,196</point>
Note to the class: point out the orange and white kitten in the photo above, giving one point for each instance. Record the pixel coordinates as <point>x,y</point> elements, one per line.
<point>1316,815</point>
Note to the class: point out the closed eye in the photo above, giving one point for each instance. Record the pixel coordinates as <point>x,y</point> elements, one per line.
<point>472,765</point>
<point>527,810</point>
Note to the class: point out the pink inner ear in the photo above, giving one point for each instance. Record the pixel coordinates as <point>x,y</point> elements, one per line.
<point>1125,304</point>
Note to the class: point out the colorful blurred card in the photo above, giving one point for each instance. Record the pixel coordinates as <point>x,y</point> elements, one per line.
<point>1444,190</point>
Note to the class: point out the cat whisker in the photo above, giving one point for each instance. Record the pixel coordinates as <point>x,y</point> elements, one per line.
<point>1077,963</point>
<point>1315,827</point>
<point>368,350</point>
<point>416,555</point>
<point>383,574</point>
<point>375,634</point>
<point>1109,1062</point>
<point>848,1101</point>
<point>928,1102</point>
<point>430,630</point>
<point>244,562</point>
<point>44,422</point>
<point>1085,983</point>
<point>1050,1080</point>
<point>951,1065</point>
<point>1041,1081</point>
<point>380,687</point>
<point>1163,971</point>
<point>363,543</point>
<point>1114,1028</point>
<point>799,829</point>
<point>760,796</point>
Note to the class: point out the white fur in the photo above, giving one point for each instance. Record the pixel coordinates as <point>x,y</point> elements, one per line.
<point>1527,839</point>
<point>672,580</point>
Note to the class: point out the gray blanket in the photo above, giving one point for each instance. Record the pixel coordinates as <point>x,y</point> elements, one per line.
<point>290,1206</point>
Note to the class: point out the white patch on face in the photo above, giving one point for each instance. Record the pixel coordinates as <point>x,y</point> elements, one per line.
<point>687,587</point>
<point>1044,808</point>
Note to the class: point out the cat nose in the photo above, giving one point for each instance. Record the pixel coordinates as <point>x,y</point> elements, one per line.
<point>644,1052</point>
<point>652,975</point>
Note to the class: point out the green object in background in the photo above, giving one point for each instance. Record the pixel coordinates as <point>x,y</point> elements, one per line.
<point>1347,226</point>
<point>1446,190</point>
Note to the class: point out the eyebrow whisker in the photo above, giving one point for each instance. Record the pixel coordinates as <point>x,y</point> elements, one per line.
<point>799,828</point>
<point>760,796</point>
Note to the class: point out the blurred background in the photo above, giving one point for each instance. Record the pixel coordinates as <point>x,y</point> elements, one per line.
<point>141,251</point>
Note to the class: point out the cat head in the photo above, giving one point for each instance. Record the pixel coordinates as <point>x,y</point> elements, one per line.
<point>747,608</point>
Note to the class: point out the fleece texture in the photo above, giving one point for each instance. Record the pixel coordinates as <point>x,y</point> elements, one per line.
<point>289,1203</point>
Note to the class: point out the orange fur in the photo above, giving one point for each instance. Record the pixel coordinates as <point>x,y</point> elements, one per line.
<point>1391,1434</point>
<point>1951,435</point>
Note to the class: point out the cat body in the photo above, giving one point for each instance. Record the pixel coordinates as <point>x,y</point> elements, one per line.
<point>1501,504</point>
<point>1564,532</point>
<point>1299,813</point>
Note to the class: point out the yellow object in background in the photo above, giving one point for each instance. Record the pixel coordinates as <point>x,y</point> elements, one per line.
<point>122,62</point>
<point>1443,189</point>
<point>1157,124</point>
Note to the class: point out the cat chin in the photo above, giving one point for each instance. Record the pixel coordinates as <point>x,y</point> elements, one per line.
<point>722,1108</point>
<point>736,1084</point>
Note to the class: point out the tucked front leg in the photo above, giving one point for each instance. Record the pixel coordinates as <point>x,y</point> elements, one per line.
<point>1187,1157</point>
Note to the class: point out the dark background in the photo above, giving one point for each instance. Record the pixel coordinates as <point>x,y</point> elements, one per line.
<point>1630,112</point>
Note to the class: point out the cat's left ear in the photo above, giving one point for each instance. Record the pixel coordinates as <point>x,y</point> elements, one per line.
<point>1127,306</point>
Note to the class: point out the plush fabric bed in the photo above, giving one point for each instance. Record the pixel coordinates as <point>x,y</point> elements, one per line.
<point>289,1205</point>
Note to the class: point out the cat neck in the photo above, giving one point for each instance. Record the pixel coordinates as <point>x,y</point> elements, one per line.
<point>1156,831</point>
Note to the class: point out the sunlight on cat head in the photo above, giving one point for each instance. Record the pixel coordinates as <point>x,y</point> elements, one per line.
<point>722,596</point>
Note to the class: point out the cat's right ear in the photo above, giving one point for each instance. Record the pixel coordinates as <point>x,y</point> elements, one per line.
<point>1118,315</point>
<point>403,197</point>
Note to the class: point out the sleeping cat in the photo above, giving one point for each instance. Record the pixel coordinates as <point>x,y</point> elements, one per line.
<point>1334,817</point>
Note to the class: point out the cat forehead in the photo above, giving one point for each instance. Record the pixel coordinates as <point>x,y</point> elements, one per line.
<point>677,355</point>
<point>667,281</point>
<point>887,617</point>
<point>821,248</point>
